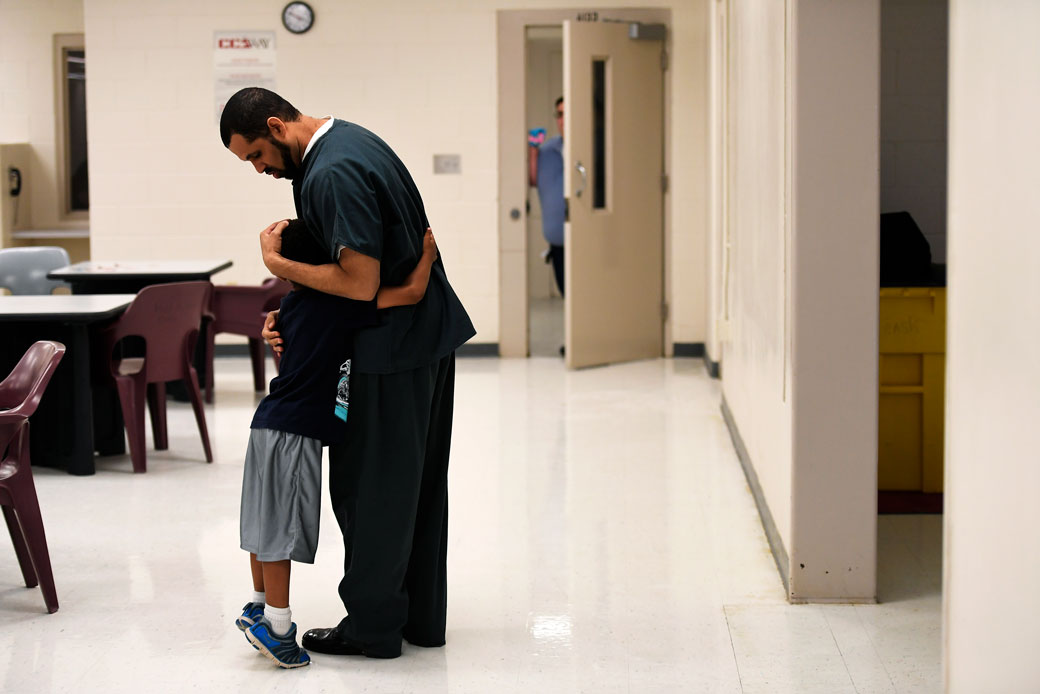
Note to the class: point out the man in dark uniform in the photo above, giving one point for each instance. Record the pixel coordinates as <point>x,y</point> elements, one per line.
<point>389,481</point>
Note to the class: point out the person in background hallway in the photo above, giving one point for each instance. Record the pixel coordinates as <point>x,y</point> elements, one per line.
<point>545,170</point>
<point>389,481</point>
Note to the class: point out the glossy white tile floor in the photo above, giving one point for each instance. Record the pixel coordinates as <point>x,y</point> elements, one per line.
<point>602,540</point>
<point>545,326</point>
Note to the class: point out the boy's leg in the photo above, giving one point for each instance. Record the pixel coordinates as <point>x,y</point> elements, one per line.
<point>257,569</point>
<point>252,478</point>
<point>253,609</point>
<point>274,634</point>
<point>276,582</point>
<point>281,492</point>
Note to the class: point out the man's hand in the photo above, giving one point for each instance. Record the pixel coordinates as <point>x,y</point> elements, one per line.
<point>272,336</point>
<point>271,247</point>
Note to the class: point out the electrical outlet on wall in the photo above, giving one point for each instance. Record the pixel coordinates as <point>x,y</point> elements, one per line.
<point>447,164</point>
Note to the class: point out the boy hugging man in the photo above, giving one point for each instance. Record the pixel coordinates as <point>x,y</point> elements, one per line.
<point>305,410</point>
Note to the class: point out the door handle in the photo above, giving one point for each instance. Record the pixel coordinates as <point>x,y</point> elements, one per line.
<point>584,179</point>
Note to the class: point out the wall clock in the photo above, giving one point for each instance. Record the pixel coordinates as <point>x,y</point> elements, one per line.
<point>298,17</point>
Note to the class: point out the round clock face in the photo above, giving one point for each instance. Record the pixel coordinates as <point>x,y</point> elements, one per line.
<point>298,17</point>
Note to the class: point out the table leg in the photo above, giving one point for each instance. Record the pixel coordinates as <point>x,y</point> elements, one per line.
<point>81,456</point>
<point>62,432</point>
<point>109,438</point>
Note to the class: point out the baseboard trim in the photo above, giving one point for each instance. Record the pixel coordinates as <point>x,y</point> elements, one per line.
<point>479,349</point>
<point>697,350</point>
<point>776,543</point>
<point>688,349</point>
<point>235,350</point>
<point>713,367</point>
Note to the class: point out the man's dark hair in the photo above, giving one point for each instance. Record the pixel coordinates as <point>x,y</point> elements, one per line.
<point>558,102</point>
<point>300,245</point>
<point>246,113</point>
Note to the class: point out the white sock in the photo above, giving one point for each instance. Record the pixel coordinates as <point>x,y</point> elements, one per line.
<point>280,619</point>
<point>259,598</point>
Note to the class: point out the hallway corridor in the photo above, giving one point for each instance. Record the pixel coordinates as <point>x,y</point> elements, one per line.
<point>603,540</point>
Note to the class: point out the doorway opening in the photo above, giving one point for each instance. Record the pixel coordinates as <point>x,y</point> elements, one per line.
<point>544,85</point>
<point>529,46</point>
<point>913,205</point>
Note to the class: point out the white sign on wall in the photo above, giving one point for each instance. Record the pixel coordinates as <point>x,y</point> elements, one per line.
<point>242,59</point>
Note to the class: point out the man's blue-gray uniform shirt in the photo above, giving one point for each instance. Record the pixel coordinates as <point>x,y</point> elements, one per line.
<point>353,191</point>
<point>550,189</point>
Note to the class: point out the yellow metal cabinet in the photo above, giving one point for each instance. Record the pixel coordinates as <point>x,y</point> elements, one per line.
<point>912,394</point>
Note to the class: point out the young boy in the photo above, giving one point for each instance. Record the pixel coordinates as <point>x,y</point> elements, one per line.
<point>306,409</point>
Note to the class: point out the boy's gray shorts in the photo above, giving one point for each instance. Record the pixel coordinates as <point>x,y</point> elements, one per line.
<point>281,496</point>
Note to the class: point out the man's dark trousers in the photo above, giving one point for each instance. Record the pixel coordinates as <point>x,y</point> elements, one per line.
<point>556,256</point>
<point>389,489</point>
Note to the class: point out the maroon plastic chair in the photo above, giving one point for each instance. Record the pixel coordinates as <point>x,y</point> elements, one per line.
<point>20,394</point>
<point>241,310</point>
<point>167,318</point>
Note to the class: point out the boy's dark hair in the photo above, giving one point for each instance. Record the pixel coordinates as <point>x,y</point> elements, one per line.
<point>246,113</point>
<point>300,245</point>
<point>558,102</point>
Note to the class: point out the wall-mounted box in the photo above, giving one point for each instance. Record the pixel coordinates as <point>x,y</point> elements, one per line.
<point>447,164</point>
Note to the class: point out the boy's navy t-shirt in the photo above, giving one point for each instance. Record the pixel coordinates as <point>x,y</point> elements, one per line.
<point>318,332</point>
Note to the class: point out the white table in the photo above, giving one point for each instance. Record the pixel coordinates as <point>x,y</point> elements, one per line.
<point>130,276</point>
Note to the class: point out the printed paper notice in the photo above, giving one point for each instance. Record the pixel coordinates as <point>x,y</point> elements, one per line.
<point>242,59</point>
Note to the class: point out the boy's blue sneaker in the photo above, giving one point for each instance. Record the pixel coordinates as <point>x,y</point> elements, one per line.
<point>283,650</point>
<point>250,613</point>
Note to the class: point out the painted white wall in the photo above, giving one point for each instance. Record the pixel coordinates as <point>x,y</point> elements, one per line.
<point>421,74</point>
<point>717,252</point>
<point>992,567</point>
<point>163,185</point>
<point>833,207</point>
<point>800,348</point>
<point>755,352</point>
<point>27,102</point>
<point>913,114</point>
<point>687,204</point>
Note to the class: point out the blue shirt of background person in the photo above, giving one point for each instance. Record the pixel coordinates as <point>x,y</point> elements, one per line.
<point>550,189</point>
<point>545,171</point>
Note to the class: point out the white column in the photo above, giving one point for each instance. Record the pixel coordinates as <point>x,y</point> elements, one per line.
<point>992,549</point>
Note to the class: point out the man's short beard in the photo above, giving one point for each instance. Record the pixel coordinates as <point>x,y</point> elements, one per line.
<point>289,168</point>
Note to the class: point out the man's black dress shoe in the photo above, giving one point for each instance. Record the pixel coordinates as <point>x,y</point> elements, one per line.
<point>329,642</point>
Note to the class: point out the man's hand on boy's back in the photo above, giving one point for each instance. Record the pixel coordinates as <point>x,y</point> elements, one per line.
<point>271,247</point>
<point>270,251</point>
<point>272,336</point>
<point>415,284</point>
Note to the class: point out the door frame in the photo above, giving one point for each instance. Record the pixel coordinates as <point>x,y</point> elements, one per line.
<point>511,25</point>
